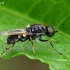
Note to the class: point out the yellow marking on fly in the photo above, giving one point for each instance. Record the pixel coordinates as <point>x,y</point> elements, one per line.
<point>43,26</point>
<point>16,40</point>
<point>24,35</point>
<point>32,29</point>
<point>28,26</point>
<point>5,42</point>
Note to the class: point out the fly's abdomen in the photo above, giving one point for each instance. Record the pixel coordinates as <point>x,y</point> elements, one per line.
<point>12,39</point>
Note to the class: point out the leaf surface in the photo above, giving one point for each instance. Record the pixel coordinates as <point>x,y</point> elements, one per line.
<point>17,14</point>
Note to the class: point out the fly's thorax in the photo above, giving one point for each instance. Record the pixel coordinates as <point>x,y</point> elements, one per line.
<point>28,29</point>
<point>37,28</point>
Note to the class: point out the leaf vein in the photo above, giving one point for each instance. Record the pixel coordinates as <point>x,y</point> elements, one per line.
<point>59,24</point>
<point>32,7</point>
<point>18,14</point>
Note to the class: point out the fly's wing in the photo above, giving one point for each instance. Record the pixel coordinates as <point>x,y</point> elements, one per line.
<point>15,32</point>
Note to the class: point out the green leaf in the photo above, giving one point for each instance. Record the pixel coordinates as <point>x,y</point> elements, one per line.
<point>17,14</point>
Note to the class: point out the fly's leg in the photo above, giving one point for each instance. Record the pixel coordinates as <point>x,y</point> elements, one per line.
<point>54,48</point>
<point>43,40</point>
<point>26,38</point>
<point>8,49</point>
<point>50,44</point>
<point>32,45</point>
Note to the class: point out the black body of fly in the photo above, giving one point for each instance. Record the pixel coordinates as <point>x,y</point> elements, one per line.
<point>30,33</point>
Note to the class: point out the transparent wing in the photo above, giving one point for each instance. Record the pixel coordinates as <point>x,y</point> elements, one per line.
<point>15,32</point>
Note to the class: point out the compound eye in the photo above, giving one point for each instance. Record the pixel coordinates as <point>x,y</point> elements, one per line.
<point>50,31</point>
